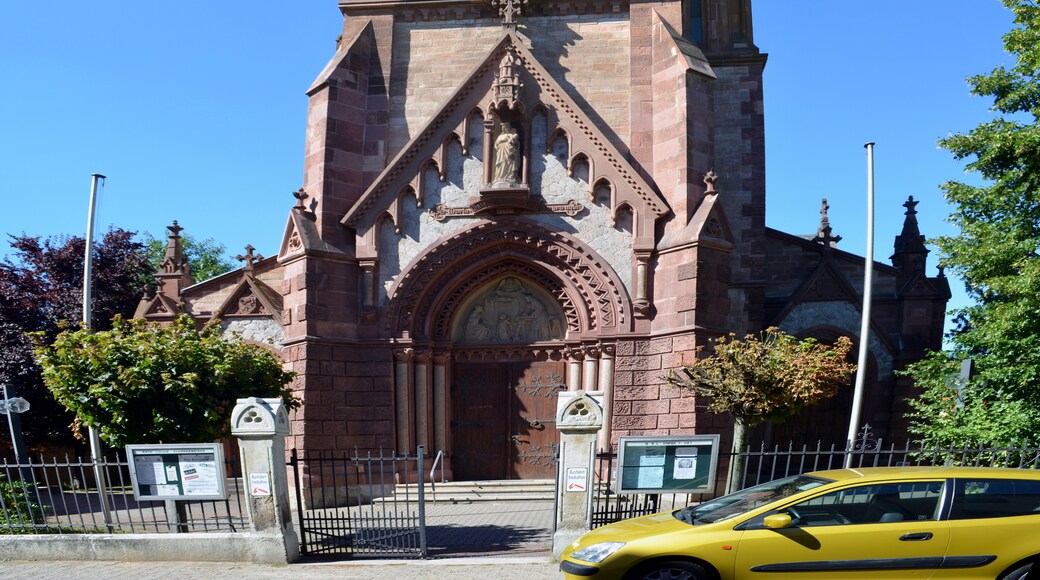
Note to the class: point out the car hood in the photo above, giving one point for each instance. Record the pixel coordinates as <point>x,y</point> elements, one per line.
<point>634,529</point>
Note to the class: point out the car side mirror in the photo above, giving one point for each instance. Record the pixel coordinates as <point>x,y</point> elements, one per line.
<point>777,521</point>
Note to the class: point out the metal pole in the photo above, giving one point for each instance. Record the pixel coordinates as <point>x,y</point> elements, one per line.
<point>864,329</point>
<point>17,441</point>
<point>95,440</point>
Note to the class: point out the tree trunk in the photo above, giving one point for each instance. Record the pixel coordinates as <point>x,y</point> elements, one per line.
<point>736,460</point>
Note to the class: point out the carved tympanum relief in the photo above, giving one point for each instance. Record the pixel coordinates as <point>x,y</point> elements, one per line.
<point>510,312</point>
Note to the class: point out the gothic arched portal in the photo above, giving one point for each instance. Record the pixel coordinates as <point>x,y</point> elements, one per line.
<point>491,324</point>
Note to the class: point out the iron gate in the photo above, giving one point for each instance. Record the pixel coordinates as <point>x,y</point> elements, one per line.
<point>360,505</point>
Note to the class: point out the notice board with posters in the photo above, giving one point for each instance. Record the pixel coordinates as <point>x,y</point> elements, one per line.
<point>177,472</point>
<point>668,464</point>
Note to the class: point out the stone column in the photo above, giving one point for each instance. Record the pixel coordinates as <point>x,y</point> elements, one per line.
<point>424,398</point>
<point>606,386</point>
<point>261,426</point>
<point>441,378</point>
<point>403,397</point>
<point>579,418</point>
<point>590,374</point>
<point>574,358</point>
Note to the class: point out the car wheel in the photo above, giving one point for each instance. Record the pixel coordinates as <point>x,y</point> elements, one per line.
<point>673,570</point>
<point>1020,573</point>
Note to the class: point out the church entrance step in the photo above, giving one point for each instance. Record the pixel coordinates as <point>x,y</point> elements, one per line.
<point>474,491</point>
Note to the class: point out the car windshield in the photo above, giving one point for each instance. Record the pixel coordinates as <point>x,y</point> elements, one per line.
<point>745,500</point>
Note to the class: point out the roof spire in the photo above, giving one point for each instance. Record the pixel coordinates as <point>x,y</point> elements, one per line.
<point>910,251</point>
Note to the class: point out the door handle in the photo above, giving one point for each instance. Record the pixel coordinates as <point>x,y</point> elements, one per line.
<point>916,537</point>
<point>515,438</point>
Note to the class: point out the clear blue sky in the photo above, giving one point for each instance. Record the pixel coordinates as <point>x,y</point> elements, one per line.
<point>195,110</point>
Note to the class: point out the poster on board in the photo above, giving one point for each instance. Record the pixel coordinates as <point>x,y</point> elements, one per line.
<point>177,472</point>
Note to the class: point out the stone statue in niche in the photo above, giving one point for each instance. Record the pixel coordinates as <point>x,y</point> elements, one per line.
<point>511,313</point>
<point>507,157</point>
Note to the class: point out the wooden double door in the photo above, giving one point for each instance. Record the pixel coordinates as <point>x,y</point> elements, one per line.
<point>504,419</point>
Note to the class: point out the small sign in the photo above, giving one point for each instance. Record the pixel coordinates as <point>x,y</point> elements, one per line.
<point>259,484</point>
<point>577,479</point>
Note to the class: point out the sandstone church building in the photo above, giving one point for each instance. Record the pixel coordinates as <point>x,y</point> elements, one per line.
<point>507,199</point>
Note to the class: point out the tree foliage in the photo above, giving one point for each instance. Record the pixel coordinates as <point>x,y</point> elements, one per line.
<point>146,383</point>
<point>207,258</point>
<point>768,377</point>
<point>997,254</point>
<point>41,290</point>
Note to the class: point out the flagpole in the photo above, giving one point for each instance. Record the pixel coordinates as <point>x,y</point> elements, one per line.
<point>88,254</point>
<point>864,329</point>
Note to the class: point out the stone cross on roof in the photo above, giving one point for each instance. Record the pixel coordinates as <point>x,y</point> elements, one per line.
<point>823,235</point>
<point>709,180</point>
<point>175,229</point>
<point>300,196</point>
<point>249,257</point>
<point>911,206</point>
<point>509,10</point>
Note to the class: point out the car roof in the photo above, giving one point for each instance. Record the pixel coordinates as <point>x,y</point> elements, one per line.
<point>926,472</point>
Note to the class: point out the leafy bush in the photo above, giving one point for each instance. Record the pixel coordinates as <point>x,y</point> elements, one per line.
<point>20,510</point>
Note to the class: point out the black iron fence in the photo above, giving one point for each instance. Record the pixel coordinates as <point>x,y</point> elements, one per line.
<point>61,497</point>
<point>369,505</point>
<point>764,464</point>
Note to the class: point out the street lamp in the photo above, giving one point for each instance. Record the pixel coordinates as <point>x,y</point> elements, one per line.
<point>12,407</point>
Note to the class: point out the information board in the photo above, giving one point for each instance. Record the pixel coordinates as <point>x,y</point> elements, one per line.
<point>177,472</point>
<point>671,464</point>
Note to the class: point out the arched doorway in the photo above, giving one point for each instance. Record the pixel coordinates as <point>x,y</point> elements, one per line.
<point>507,376</point>
<point>490,324</point>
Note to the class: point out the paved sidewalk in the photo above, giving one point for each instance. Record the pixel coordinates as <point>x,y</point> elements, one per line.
<point>498,568</point>
<point>489,529</point>
<point>467,541</point>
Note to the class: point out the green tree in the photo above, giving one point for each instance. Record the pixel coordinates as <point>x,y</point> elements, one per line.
<point>41,290</point>
<point>997,254</point>
<point>146,383</point>
<point>207,258</point>
<point>768,377</point>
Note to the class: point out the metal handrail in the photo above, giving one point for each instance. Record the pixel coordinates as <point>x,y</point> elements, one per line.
<point>436,462</point>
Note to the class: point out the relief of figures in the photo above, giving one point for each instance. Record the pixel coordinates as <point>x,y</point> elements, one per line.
<point>511,313</point>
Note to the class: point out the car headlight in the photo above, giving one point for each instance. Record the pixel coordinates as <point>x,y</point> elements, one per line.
<point>597,552</point>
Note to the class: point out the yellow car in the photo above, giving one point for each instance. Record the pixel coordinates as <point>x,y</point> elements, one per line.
<point>900,522</point>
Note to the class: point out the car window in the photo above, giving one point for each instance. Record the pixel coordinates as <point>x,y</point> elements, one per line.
<point>745,500</point>
<point>995,498</point>
<point>870,504</point>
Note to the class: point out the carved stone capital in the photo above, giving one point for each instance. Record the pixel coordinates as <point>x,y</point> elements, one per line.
<point>404,355</point>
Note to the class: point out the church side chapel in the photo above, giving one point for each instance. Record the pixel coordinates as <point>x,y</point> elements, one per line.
<point>507,200</point>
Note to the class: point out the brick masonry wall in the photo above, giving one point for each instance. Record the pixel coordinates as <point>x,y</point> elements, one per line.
<point>347,393</point>
<point>586,54</point>
<point>645,404</point>
<point>740,164</point>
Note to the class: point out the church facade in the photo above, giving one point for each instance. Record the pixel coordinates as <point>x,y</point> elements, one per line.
<point>506,200</point>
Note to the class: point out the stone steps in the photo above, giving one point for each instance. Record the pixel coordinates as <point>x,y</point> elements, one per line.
<point>474,491</point>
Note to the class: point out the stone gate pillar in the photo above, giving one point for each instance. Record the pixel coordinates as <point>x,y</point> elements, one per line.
<point>261,426</point>
<point>579,419</point>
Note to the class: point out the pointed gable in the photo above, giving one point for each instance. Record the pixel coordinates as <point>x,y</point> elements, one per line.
<point>251,297</point>
<point>535,90</point>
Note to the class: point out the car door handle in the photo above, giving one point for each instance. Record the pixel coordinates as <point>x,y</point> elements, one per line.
<point>916,537</point>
